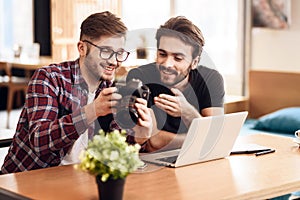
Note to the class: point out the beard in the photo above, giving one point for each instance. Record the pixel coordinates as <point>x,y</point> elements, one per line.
<point>101,70</point>
<point>168,81</point>
<point>92,71</point>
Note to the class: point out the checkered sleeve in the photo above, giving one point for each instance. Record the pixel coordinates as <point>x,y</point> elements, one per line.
<point>54,122</point>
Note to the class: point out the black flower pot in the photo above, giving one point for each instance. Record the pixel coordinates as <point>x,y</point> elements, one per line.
<point>111,189</point>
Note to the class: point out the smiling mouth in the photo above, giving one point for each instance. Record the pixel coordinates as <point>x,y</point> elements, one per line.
<point>109,67</point>
<point>167,71</point>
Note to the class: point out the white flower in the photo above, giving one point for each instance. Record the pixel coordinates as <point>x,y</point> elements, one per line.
<point>110,156</point>
<point>114,155</point>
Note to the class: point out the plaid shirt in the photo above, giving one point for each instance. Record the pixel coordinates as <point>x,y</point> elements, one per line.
<point>52,119</point>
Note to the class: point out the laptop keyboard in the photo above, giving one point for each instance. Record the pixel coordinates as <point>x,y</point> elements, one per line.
<point>171,159</point>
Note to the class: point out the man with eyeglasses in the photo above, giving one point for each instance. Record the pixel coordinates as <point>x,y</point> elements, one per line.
<point>65,101</point>
<point>180,89</point>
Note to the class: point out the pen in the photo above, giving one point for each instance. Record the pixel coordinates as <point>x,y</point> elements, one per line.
<point>265,152</point>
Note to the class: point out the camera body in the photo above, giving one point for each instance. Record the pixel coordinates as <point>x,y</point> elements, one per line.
<point>127,114</point>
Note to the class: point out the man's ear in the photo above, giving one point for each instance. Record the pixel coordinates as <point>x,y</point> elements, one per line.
<point>195,62</point>
<point>82,48</point>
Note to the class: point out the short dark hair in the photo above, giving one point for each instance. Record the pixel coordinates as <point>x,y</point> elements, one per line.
<point>182,28</point>
<point>102,24</point>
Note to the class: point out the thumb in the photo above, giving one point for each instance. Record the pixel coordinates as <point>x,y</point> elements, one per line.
<point>176,92</point>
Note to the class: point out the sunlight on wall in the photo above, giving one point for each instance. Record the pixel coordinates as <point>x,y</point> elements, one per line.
<point>16,21</point>
<point>220,22</point>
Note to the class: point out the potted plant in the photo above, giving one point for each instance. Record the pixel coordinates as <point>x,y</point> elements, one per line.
<point>110,158</point>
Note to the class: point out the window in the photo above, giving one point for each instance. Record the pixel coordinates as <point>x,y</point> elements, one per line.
<point>219,21</point>
<point>16,25</point>
<point>221,25</point>
<point>145,14</point>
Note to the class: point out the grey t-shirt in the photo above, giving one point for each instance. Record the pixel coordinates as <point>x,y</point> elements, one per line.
<point>205,89</point>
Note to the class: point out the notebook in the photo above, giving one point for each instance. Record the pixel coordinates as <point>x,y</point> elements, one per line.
<point>208,138</point>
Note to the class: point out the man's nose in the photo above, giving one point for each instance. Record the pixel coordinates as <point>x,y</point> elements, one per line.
<point>112,60</point>
<point>169,61</point>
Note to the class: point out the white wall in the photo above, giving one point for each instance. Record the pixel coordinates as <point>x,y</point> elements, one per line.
<point>278,49</point>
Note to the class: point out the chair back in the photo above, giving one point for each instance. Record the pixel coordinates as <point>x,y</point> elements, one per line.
<point>5,73</point>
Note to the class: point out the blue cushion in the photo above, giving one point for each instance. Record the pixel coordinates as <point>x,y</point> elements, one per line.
<point>285,120</point>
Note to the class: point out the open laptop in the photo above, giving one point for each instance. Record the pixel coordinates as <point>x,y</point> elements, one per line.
<point>208,138</point>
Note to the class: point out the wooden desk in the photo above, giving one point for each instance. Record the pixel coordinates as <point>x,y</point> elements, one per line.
<point>28,65</point>
<point>235,177</point>
<point>3,152</point>
<point>235,103</point>
<point>6,136</point>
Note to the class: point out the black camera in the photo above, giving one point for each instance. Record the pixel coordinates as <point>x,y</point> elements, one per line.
<point>127,114</point>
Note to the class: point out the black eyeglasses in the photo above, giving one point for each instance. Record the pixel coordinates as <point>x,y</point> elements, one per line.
<point>107,53</point>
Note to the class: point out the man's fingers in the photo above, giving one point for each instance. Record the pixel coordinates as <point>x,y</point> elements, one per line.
<point>108,91</point>
<point>115,96</point>
<point>141,101</point>
<point>166,97</point>
<point>177,92</point>
<point>166,104</point>
<point>143,111</point>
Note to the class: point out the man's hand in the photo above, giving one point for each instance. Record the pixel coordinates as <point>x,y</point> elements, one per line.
<point>177,106</point>
<point>104,104</point>
<point>106,101</point>
<point>143,129</point>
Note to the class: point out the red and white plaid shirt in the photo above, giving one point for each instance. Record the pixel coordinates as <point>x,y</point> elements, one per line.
<point>52,118</point>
